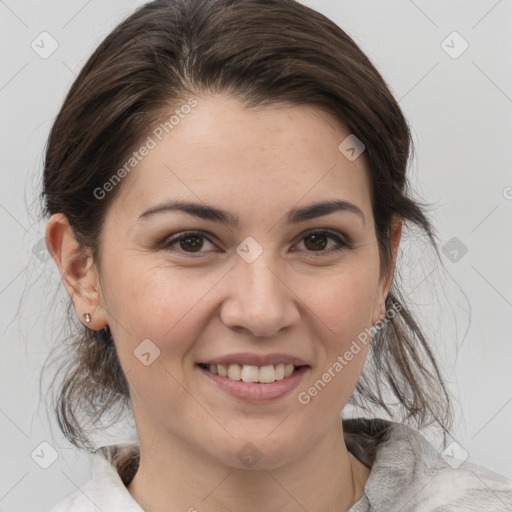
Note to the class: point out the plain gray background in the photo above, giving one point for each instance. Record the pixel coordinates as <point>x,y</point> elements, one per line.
<point>459,105</point>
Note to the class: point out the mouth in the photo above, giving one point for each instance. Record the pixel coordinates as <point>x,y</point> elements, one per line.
<point>266,374</point>
<point>254,384</point>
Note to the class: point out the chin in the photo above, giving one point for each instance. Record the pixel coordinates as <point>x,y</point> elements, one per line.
<point>258,450</point>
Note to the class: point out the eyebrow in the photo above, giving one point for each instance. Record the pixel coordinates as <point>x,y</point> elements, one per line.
<point>212,213</point>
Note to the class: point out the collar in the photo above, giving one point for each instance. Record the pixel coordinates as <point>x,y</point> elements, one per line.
<point>113,468</point>
<point>407,472</point>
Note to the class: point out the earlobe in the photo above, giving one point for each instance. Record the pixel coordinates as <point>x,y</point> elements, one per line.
<point>76,269</point>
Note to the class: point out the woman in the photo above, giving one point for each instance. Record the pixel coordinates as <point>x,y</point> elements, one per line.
<point>226,185</point>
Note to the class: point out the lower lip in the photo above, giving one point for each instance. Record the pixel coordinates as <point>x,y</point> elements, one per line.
<point>255,391</point>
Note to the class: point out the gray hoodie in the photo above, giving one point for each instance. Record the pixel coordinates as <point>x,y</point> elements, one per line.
<point>407,475</point>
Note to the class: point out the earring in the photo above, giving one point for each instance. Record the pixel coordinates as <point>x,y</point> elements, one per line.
<point>87,318</point>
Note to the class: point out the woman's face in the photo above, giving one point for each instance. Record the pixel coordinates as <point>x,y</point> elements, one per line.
<point>269,280</point>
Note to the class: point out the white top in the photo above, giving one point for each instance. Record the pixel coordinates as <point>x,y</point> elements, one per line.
<point>105,492</point>
<point>407,474</point>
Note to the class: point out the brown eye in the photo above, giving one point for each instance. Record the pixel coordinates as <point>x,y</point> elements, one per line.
<point>192,242</point>
<point>317,241</point>
<point>314,242</point>
<point>189,242</point>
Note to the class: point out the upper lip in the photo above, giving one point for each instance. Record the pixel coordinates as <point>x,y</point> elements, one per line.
<point>246,358</point>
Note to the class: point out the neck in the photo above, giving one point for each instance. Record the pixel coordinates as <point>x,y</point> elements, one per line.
<point>175,478</point>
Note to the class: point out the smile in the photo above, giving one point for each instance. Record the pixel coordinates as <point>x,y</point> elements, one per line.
<point>250,373</point>
<point>254,383</point>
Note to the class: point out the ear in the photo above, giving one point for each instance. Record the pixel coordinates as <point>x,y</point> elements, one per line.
<point>386,279</point>
<point>77,270</point>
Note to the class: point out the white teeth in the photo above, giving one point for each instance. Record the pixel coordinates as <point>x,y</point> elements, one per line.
<point>279,371</point>
<point>222,368</point>
<point>267,373</point>
<point>250,373</point>
<point>235,372</point>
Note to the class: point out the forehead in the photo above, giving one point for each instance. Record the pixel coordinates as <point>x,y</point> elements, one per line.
<point>225,153</point>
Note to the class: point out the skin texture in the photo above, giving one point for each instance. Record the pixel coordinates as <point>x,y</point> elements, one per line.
<point>294,298</point>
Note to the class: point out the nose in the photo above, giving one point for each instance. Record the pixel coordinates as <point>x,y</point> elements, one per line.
<point>258,298</point>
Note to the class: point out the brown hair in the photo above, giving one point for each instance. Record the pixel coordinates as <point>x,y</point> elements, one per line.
<point>262,52</point>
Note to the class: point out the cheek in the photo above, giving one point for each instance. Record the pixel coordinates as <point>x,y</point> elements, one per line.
<point>344,302</point>
<point>162,305</point>
<point>343,307</point>
<point>168,305</point>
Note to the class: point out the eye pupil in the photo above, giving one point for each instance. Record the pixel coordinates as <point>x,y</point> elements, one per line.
<point>319,241</point>
<point>195,246</point>
<point>315,242</point>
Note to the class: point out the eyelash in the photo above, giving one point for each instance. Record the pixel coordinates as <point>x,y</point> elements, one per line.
<point>342,244</point>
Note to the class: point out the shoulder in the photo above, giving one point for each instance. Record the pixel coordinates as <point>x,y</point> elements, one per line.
<point>409,474</point>
<point>113,467</point>
<point>467,487</point>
